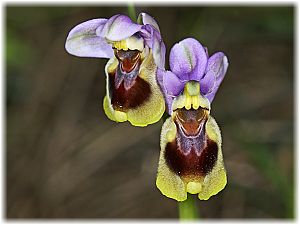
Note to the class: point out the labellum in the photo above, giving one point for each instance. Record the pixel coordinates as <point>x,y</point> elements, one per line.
<point>133,92</point>
<point>191,153</point>
<point>191,159</point>
<point>128,90</point>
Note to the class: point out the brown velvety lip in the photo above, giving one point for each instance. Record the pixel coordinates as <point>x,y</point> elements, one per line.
<point>191,164</point>
<point>126,89</point>
<point>128,59</point>
<point>191,121</point>
<point>124,99</point>
<point>191,154</point>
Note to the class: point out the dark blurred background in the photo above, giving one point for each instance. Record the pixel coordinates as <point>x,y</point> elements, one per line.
<point>66,159</point>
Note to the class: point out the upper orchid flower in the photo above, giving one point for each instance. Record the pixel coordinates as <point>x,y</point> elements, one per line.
<point>134,51</point>
<point>191,158</point>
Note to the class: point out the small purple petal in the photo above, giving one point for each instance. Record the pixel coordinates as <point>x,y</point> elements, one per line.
<point>147,33</point>
<point>119,27</point>
<point>170,85</point>
<point>206,84</point>
<point>159,50</point>
<point>154,41</point>
<point>82,40</point>
<point>147,19</point>
<point>216,69</point>
<point>188,59</point>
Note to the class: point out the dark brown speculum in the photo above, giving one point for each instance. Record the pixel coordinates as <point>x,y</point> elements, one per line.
<point>192,153</point>
<point>127,90</point>
<point>123,99</point>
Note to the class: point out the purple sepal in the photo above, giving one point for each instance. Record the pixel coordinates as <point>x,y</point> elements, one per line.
<point>147,19</point>
<point>118,27</point>
<point>171,86</point>
<point>154,41</point>
<point>82,40</point>
<point>188,60</point>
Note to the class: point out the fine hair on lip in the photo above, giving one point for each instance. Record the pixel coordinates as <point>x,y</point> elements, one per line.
<point>128,59</point>
<point>191,157</point>
<point>190,121</point>
<point>123,99</point>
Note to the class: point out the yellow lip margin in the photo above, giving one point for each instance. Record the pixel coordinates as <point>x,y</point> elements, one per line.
<point>172,185</point>
<point>152,110</point>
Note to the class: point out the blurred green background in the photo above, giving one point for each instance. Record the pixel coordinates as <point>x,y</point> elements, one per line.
<point>66,159</point>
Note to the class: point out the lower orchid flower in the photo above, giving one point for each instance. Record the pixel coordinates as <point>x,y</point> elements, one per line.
<point>134,51</point>
<point>191,159</point>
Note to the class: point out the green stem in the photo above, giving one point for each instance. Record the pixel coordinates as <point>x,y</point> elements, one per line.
<point>187,209</point>
<point>131,11</point>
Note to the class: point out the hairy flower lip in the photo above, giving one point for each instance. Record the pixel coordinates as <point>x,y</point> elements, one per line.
<point>128,78</point>
<point>136,64</point>
<point>183,169</point>
<point>190,127</point>
<point>128,67</point>
<point>128,59</point>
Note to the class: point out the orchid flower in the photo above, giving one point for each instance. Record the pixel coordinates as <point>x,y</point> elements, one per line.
<point>135,51</point>
<point>191,158</point>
